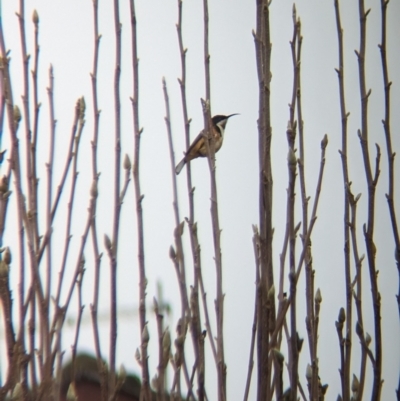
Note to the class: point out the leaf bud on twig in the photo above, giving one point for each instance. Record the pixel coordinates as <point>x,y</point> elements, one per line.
<point>300,342</point>
<point>271,292</point>
<point>7,255</point>
<point>324,387</point>
<point>138,357</point>
<point>3,184</point>
<point>308,372</point>
<point>35,17</point>
<point>318,297</point>
<point>294,13</point>
<point>368,339</point>
<point>17,114</point>
<point>127,162</point>
<point>279,356</point>
<point>324,141</point>
<point>82,107</point>
<point>359,329</point>
<point>172,253</point>
<point>107,242</point>
<point>342,315</point>
<point>145,335</point>
<point>355,384</point>
<point>155,304</point>
<point>179,341</point>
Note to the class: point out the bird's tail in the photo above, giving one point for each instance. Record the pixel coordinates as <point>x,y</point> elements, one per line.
<point>180,165</point>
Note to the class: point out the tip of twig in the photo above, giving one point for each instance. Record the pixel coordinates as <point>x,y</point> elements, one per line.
<point>127,162</point>
<point>35,17</point>
<point>324,141</point>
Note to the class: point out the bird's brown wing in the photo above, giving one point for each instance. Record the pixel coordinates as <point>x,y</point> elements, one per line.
<point>197,148</point>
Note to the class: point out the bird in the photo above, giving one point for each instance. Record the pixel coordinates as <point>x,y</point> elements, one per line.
<point>198,148</point>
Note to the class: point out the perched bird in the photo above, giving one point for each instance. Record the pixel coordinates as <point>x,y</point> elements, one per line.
<point>198,148</point>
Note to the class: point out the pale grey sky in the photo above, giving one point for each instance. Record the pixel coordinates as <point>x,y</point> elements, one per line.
<point>66,40</point>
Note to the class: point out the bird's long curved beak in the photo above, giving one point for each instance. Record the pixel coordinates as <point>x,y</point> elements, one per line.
<point>231,115</point>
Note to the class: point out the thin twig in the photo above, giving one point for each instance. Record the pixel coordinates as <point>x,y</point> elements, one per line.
<point>117,205</point>
<point>219,302</point>
<point>80,112</point>
<point>371,185</point>
<point>345,374</point>
<point>390,154</point>
<point>33,220</point>
<point>145,394</point>
<point>256,247</point>
<point>180,260</point>
<point>292,275</point>
<point>94,193</point>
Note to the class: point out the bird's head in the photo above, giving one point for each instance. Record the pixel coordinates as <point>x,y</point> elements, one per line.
<point>220,121</point>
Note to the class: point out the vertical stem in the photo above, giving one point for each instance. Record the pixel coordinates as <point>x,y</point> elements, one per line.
<point>388,137</point>
<point>138,199</point>
<point>371,184</point>
<point>117,206</point>
<point>178,225</point>
<point>219,303</point>
<point>292,273</point>
<point>186,120</point>
<point>194,243</point>
<point>266,322</point>
<point>49,166</point>
<point>343,153</point>
<point>30,156</point>
<point>25,99</point>
<point>95,178</point>
<point>390,153</point>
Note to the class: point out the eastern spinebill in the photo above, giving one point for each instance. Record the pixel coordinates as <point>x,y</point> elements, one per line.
<point>198,148</point>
